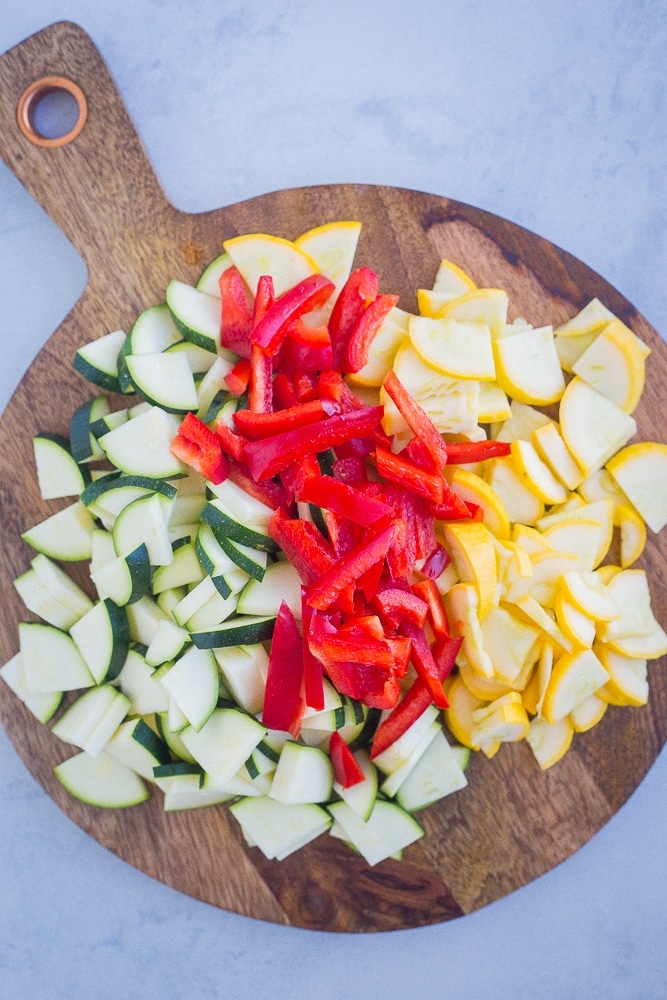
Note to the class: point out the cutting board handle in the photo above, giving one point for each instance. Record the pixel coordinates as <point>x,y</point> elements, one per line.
<point>98,187</point>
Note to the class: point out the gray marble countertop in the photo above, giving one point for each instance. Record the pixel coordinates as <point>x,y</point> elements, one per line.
<point>552,115</point>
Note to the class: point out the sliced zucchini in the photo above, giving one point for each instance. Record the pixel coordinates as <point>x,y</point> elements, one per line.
<point>251,561</point>
<point>58,474</point>
<point>167,644</point>
<point>200,361</point>
<point>242,506</point>
<point>226,524</point>
<point>61,585</point>
<point>137,746</point>
<point>66,535</point>
<point>436,774</point>
<point>243,630</point>
<point>102,637</point>
<point>38,599</point>
<point>244,670</point>
<point>141,446</point>
<point>213,558</point>
<point>124,579</point>
<point>91,720</point>
<point>210,279</point>
<point>138,682</point>
<point>278,829</point>
<point>184,569</point>
<point>42,706</point>
<point>361,797</point>
<point>144,617</point>
<point>223,744</point>
<point>196,314</point>
<point>281,582</point>
<point>193,683</point>
<point>114,491</point>
<point>387,830</point>
<point>51,660</point>
<point>98,360</point>
<point>164,380</point>
<point>143,522</point>
<point>101,781</point>
<point>83,444</point>
<point>303,774</point>
<point>153,331</point>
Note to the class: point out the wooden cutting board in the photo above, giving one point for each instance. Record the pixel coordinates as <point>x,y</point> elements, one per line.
<point>513,822</point>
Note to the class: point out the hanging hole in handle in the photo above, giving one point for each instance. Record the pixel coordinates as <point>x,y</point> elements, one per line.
<point>52,111</point>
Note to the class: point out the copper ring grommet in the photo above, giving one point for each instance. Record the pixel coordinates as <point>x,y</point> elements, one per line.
<point>30,99</point>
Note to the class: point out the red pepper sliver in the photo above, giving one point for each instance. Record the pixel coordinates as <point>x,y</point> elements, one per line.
<point>361,337</point>
<point>436,563</point>
<point>257,426</point>
<point>283,703</point>
<point>476,451</point>
<point>231,442</point>
<point>407,474</point>
<point>294,476</point>
<point>360,289</point>
<point>417,419</point>
<point>445,652</point>
<point>197,446</point>
<point>343,500</point>
<point>303,545</point>
<point>313,687</point>
<point>283,392</point>
<point>396,606</point>
<point>266,458</point>
<point>309,294</point>
<point>348,569</point>
<point>357,649</point>
<point>428,592</point>
<point>424,664</point>
<point>267,492</point>
<point>236,314</point>
<point>369,580</point>
<point>346,769</point>
<point>413,704</point>
<point>237,379</point>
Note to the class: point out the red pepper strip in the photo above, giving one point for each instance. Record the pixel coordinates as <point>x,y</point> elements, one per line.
<point>428,592</point>
<point>424,527</point>
<point>257,426</point>
<point>236,321</point>
<point>368,581</point>
<point>418,453</point>
<point>368,324</point>
<point>356,649</point>
<point>347,600</point>
<point>476,512</point>
<point>396,606</point>
<point>417,419</point>
<point>343,500</point>
<point>303,545</point>
<point>476,451</point>
<point>299,356</point>
<point>233,444</point>
<point>331,385</point>
<point>404,472</point>
<point>305,386</point>
<point>346,769</point>
<point>349,568</point>
<point>423,662</point>
<point>266,458</point>
<point>268,492</point>
<point>264,299</point>
<point>436,563</point>
<point>294,476</point>
<point>356,448</point>
<point>311,293</point>
<point>401,648</point>
<point>452,508</point>
<point>377,688</point>
<point>283,392</point>
<point>197,446</point>
<point>369,626</point>
<point>342,535</point>
<point>349,470</point>
<point>260,390</point>
<point>445,652</point>
<point>309,336</point>
<point>360,289</point>
<point>401,557</point>
<point>283,703</point>
<point>313,687</point>
<point>237,379</point>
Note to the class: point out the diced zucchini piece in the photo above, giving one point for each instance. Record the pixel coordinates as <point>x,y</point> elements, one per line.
<point>101,781</point>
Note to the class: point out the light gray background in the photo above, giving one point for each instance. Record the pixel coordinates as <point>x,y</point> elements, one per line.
<point>552,115</point>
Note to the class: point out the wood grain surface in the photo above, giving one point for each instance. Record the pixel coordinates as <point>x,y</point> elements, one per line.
<point>513,822</point>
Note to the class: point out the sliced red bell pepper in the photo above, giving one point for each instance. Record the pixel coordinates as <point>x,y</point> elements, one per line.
<point>451,508</point>
<point>360,289</point>
<point>378,689</point>
<point>404,472</point>
<point>299,355</point>
<point>257,426</point>
<point>309,294</point>
<point>350,648</point>
<point>264,298</point>
<point>356,351</point>
<point>343,500</point>
<point>464,452</point>
<point>369,580</point>
<point>418,453</point>
<point>237,379</point>
<point>445,652</point>
<point>331,385</point>
<point>349,568</point>
<point>428,592</point>
<point>424,664</point>
<point>396,606</point>
<point>236,316</point>
<point>268,492</point>
<point>283,703</point>
<point>436,563</point>
<point>417,419</point>
<point>305,385</point>
<point>283,392</point>
<point>476,512</point>
<point>294,475</point>
<point>313,688</point>
<point>342,533</point>
<point>303,545</point>
<point>346,769</point>
<point>197,446</point>
<point>231,442</point>
<point>350,470</point>
<point>401,648</point>
<point>266,458</point>
<point>369,626</point>
<point>414,703</point>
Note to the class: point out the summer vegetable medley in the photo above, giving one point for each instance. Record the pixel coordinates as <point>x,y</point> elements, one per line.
<point>337,546</point>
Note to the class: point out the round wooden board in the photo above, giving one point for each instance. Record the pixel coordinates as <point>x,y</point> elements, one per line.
<point>513,822</point>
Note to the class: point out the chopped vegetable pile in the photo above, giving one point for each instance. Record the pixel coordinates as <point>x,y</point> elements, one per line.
<point>335,546</point>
